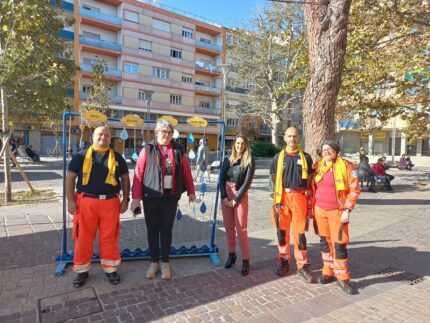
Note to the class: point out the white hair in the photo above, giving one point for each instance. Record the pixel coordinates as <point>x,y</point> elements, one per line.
<point>162,124</point>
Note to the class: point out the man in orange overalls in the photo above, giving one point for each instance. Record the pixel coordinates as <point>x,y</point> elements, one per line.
<point>96,204</point>
<point>292,171</point>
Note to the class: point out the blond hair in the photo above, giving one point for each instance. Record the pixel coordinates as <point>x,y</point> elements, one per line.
<point>246,157</point>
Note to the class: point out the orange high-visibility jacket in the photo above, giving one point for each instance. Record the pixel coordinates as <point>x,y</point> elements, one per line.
<point>346,199</point>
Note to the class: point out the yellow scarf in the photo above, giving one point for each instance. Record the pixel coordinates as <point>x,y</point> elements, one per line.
<point>340,174</point>
<point>88,163</point>
<point>280,168</point>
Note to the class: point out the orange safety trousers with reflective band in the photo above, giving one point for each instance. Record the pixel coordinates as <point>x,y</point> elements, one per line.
<point>334,240</point>
<point>93,214</point>
<point>292,213</point>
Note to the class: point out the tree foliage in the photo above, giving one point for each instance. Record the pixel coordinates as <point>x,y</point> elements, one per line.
<point>269,58</point>
<point>98,98</point>
<point>35,64</point>
<point>386,71</point>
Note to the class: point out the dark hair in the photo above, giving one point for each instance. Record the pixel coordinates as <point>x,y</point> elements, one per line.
<point>333,144</point>
<point>319,152</point>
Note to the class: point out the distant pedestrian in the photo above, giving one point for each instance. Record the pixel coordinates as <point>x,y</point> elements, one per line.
<point>236,176</point>
<point>96,205</point>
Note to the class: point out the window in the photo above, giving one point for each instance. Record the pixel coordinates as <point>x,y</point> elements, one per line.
<point>160,73</point>
<point>230,39</point>
<point>90,61</point>
<point>131,16</point>
<point>87,7</point>
<point>232,122</point>
<point>162,25</point>
<point>90,35</point>
<point>204,104</point>
<point>187,33</point>
<point>86,88</point>
<point>175,99</point>
<point>131,68</point>
<point>205,40</point>
<point>187,78</point>
<point>145,46</point>
<point>142,95</point>
<point>176,53</point>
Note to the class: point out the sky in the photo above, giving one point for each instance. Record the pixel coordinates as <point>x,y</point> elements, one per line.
<point>230,13</point>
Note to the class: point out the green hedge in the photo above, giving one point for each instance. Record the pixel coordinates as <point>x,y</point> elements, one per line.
<point>264,149</point>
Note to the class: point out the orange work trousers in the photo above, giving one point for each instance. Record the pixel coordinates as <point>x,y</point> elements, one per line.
<point>334,239</point>
<point>292,213</point>
<point>93,214</point>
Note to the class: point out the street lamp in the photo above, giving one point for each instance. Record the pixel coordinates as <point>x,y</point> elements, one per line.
<point>224,68</point>
<point>148,97</point>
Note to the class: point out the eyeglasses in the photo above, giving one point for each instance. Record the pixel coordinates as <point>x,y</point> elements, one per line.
<point>328,150</point>
<point>166,132</point>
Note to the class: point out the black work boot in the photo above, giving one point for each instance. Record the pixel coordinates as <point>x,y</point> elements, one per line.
<point>231,260</point>
<point>323,279</point>
<point>80,279</point>
<point>345,286</point>
<point>113,278</point>
<point>284,267</point>
<point>304,273</point>
<point>245,267</point>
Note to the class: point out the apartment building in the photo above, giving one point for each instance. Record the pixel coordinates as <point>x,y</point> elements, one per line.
<point>162,61</point>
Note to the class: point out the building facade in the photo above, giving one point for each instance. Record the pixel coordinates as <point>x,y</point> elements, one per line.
<point>162,61</point>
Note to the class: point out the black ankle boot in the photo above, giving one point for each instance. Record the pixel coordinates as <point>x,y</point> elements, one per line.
<point>245,267</point>
<point>231,260</point>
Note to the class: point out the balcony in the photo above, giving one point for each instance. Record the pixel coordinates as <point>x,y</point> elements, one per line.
<point>208,49</point>
<point>207,90</point>
<point>64,5</point>
<point>110,73</point>
<point>206,69</point>
<point>236,89</point>
<point>100,46</point>
<point>100,19</point>
<point>66,34</point>
<point>112,98</point>
<point>208,110</point>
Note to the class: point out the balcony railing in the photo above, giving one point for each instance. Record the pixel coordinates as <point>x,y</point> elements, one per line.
<point>208,89</point>
<point>208,110</point>
<point>235,89</point>
<point>207,67</point>
<point>214,47</point>
<point>100,43</point>
<point>100,16</point>
<point>66,34</point>
<point>112,98</point>
<point>64,5</point>
<point>112,72</point>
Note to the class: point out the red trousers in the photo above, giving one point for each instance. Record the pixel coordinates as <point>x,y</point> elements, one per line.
<point>236,222</point>
<point>292,214</point>
<point>334,239</point>
<point>96,214</point>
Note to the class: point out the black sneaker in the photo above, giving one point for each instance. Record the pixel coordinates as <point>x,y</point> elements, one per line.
<point>345,286</point>
<point>80,279</point>
<point>304,273</point>
<point>113,278</point>
<point>323,279</point>
<point>283,268</point>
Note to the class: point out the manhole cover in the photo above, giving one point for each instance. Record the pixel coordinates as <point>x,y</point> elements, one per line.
<point>67,306</point>
<point>401,276</point>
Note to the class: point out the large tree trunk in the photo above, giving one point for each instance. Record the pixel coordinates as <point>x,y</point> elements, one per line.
<point>327,31</point>
<point>274,130</point>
